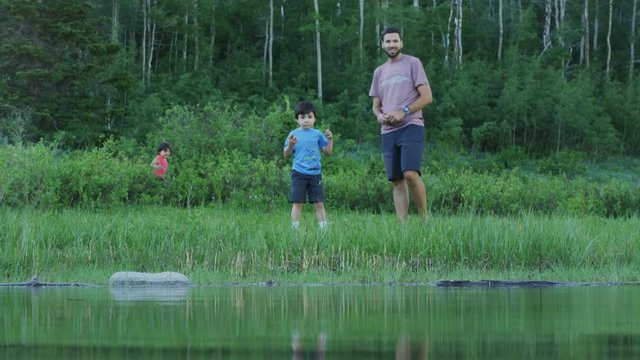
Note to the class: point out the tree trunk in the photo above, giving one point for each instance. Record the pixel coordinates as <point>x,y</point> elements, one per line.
<point>546,33</point>
<point>196,55</point>
<point>361,29</point>
<point>152,41</point>
<point>184,43</point>
<point>265,50</point>
<point>458,33</point>
<point>596,27</point>
<point>115,22</point>
<point>609,38</point>
<point>446,41</point>
<point>271,43</point>
<point>632,49</point>
<point>501,35</point>
<point>318,49</point>
<point>212,32</point>
<point>416,4</point>
<point>584,42</point>
<point>145,27</point>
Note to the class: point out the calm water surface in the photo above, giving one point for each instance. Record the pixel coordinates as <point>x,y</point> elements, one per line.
<point>320,322</point>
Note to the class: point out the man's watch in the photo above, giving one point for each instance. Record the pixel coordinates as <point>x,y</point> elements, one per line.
<point>406,110</point>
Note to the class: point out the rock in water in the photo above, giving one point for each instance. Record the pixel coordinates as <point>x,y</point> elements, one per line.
<point>133,278</point>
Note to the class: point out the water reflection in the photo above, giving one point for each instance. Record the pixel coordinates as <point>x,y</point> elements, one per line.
<point>167,294</point>
<point>317,353</point>
<point>332,322</point>
<point>403,350</point>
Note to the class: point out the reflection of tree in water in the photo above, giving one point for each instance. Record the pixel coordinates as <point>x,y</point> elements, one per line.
<point>319,351</point>
<point>403,350</point>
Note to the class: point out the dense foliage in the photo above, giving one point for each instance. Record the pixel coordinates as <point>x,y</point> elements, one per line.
<point>219,160</point>
<point>514,74</point>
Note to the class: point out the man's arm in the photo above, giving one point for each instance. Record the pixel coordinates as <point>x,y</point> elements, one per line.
<point>377,110</point>
<point>425,99</point>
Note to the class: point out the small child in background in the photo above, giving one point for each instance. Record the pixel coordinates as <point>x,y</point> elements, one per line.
<point>160,163</point>
<point>305,144</point>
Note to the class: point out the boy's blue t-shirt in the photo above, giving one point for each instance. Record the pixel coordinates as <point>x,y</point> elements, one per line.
<point>306,153</point>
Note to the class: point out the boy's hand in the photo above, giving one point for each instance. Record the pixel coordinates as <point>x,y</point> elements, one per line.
<point>328,134</point>
<point>293,140</point>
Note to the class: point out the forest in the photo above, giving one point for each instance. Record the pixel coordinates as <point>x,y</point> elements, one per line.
<point>539,76</point>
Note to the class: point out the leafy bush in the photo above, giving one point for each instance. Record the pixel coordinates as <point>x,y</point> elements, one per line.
<point>566,163</point>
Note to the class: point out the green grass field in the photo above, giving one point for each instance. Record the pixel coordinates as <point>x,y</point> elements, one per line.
<point>216,244</point>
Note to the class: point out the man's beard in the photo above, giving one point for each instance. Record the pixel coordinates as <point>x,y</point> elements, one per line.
<point>392,56</point>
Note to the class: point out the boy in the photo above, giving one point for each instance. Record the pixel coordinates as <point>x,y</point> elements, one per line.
<point>305,144</point>
<point>160,163</point>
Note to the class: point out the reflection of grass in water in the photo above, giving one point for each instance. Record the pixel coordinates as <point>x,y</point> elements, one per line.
<point>218,244</point>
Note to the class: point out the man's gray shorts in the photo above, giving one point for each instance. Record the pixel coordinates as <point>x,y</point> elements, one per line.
<point>403,150</point>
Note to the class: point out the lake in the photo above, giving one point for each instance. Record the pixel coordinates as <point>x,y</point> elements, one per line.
<point>320,322</point>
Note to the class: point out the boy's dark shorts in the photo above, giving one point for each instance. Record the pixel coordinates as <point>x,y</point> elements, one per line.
<point>303,185</point>
<point>403,150</point>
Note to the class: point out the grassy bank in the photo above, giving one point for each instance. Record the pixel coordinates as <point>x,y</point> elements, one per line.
<point>216,244</point>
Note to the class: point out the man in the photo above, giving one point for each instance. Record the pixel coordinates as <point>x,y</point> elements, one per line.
<point>400,90</point>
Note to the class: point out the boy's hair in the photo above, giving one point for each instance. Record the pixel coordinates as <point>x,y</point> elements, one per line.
<point>163,146</point>
<point>305,107</point>
<point>391,30</point>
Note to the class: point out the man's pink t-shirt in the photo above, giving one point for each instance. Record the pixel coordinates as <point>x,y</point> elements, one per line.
<point>164,165</point>
<point>395,83</point>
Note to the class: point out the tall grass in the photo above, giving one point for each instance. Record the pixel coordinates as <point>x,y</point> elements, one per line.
<point>212,244</point>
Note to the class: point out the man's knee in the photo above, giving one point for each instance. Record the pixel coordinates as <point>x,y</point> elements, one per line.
<point>412,176</point>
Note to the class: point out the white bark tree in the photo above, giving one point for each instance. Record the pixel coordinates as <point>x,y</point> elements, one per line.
<point>361,4</point>
<point>185,41</point>
<point>585,39</point>
<point>609,38</point>
<point>446,42</point>
<point>318,49</point>
<point>458,33</point>
<point>115,21</point>
<point>196,47</point>
<point>145,26</point>
<point>268,47</point>
<point>632,48</point>
<point>596,27</point>
<point>501,30</point>
<point>546,33</point>
<point>212,34</point>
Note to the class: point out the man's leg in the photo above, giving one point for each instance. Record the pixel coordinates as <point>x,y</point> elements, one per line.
<point>418,192</point>
<point>401,198</point>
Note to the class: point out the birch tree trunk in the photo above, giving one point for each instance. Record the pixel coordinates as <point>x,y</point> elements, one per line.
<point>270,43</point>
<point>596,28</point>
<point>361,29</point>
<point>185,41</point>
<point>196,55</point>
<point>152,41</point>
<point>145,27</point>
<point>458,33</point>
<point>609,39</point>
<point>632,48</point>
<point>416,4</point>
<point>446,41</point>
<point>115,21</point>
<point>318,49</point>
<point>501,32</point>
<point>212,32</point>
<point>265,50</point>
<point>584,42</point>
<point>546,33</point>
